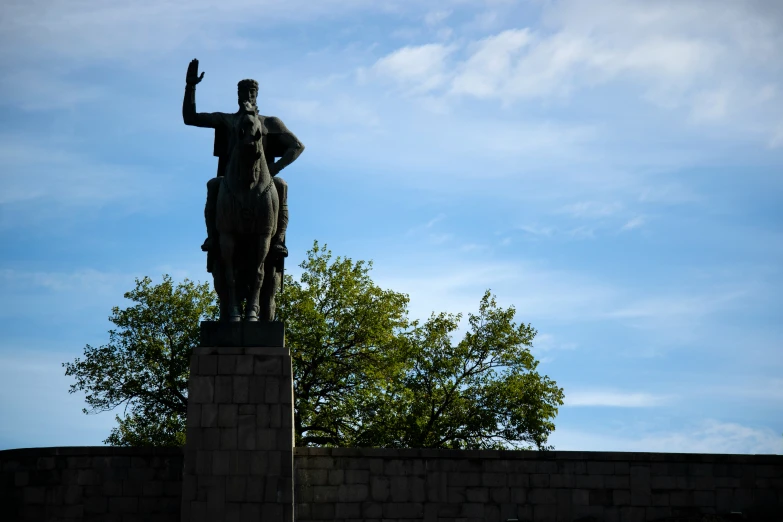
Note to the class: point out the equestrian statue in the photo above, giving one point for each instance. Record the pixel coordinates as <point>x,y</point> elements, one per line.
<point>247,211</point>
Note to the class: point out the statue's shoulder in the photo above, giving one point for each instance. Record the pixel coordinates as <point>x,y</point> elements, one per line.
<point>274,125</point>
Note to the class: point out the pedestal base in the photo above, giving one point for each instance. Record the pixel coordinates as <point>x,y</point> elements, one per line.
<point>225,334</point>
<point>240,435</point>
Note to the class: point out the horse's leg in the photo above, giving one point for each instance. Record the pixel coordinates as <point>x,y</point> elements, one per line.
<point>255,290</point>
<point>268,289</point>
<point>227,245</point>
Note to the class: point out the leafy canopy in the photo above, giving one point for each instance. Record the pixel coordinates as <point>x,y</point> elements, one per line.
<point>145,365</point>
<point>364,374</point>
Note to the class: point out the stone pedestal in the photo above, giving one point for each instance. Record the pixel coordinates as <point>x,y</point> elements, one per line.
<point>240,435</point>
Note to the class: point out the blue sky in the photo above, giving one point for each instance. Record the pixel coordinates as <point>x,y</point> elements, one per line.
<point>612,169</point>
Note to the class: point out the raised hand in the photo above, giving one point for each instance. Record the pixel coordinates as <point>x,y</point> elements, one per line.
<point>192,77</point>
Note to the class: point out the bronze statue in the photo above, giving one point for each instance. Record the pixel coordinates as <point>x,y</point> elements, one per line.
<point>246,212</point>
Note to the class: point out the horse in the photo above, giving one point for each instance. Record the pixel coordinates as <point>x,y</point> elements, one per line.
<point>246,222</point>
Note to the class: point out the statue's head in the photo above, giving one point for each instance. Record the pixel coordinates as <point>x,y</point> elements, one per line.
<point>247,90</point>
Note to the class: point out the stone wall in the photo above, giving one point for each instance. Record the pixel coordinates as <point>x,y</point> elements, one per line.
<point>370,485</point>
<point>101,483</point>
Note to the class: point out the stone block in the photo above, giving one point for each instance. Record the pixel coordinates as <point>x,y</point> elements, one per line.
<point>545,513</point>
<point>211,437</point>
<point>562,481</point>
<point>472,511</point>
<point>518,495</point>
<point>380,488</point>
<point>272,390</point>
<point>580,497</point>
<point>405,510</point>
<point>245,364</point>
<point>632,514</point>
<point>617,482</point>
<point>257,389</point>
<point>621,497</point>
<point>600,468</point>
<point>275,416</point>
<point>348,510</point>
<point>400,488</point>
<point>538,480</point>
<point>372,510</point>
<point>224,388</point>
<point>227,364</point>
<point>640,497</point>
<point>259,463</point>
<point>194,415</point>
<point>267,365</point>
<point>236,489</point>
<point>207,364</point>
<point>233,512</point>
<point>247,432</point>
<point>287,416</point>
<point>589,481</point>
<point>353,493</point>
<point>704,498</point>
<point>228,439</point>
<point>241,390</point>
<point>601,497</point>
<point>242,334</point>
<point>542,496</point>
<point>266,439</point>
<point>323,511</point>
<point>220,462</point>
<point>254,488</point>
<point>498,479</point>
<point>227,415</point>
<point>209,415</point>
<point>356,476</point>
<point>252,511</point>
<point>201,389</point>
<point>480,495</point>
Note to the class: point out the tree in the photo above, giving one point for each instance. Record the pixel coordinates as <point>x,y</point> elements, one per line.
<point>364,374</point>
<point>344,334</point>
<point>482,393</point>
<point>145,366</point>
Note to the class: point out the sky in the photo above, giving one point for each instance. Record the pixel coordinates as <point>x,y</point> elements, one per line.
<point>613,170</point>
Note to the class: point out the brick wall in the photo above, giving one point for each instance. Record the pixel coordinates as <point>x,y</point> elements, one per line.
<point>370,485</point>
<point>102,483</point>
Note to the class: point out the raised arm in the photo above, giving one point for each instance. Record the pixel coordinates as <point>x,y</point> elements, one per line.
<point>288,144</point>
<point>189,115</point>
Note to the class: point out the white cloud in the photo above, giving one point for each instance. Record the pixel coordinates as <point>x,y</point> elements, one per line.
<point>716,62</point>
<point>592,209</point>
<point>417,67</point>
<point>634,223</point>
<point>615,399</point>
<point>489,63</point>
<point>710,106</point>
<point>436,17</point>
<point>705,436</point>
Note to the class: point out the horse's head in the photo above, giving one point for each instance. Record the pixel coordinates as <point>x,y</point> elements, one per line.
<point>249,145</point>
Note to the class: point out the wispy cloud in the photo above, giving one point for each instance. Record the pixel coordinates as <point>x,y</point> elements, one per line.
<point>634,223</point>
<point>615,399</point>
<point>705,436</point>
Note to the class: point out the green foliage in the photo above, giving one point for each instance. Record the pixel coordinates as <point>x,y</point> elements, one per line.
<point>364,374</point>
<point>145,366</point>
<point>343,332</point>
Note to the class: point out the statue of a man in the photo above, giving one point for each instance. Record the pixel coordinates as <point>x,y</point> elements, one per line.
<point>279,142</point>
